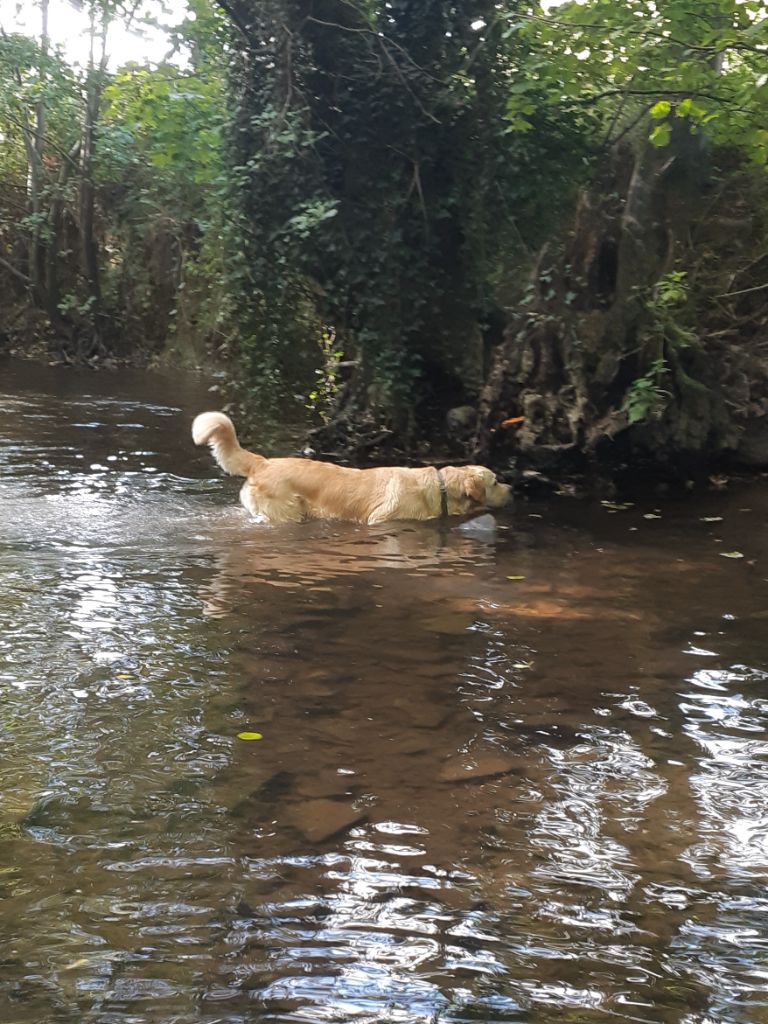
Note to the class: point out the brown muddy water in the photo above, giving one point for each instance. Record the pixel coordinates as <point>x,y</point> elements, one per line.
<point>511,778</point>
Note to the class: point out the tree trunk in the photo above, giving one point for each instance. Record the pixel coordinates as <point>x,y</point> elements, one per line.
<point>55,225</point>
<point>38,253</point>
<point>89,246</point>
<point>34,146</point>
<point>570,359</point>
<point>88,241</point>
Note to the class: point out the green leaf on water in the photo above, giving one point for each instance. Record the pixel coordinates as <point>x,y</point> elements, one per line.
<point>731,554</point>
<point>515,577</point>
<point>250,736</point>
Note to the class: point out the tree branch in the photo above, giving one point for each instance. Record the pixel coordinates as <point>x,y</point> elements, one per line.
<point>16,273</point>
<point>743,291</point>
<point>236,20</point>
<point>627,128</point>
<point>382,38</point>
<point>710,50</point>
<point>26,127</point>
<point>682,93</point>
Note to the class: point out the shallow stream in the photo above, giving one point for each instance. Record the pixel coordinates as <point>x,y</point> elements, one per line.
<point>519,777</point>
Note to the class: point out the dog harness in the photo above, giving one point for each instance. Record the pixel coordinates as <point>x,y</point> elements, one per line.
<point>443,493</point>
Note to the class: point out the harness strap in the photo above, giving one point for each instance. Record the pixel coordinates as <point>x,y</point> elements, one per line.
<point>443,493</point>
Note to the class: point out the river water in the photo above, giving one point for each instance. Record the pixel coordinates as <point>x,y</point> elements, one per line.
<point>520,777</point>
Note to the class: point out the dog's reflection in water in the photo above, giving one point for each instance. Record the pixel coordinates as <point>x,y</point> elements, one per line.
<point>324,556</point>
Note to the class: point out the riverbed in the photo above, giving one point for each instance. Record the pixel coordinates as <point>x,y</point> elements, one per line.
<point>332,773</point>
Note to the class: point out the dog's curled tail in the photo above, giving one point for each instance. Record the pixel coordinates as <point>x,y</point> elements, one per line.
<point>217,430</point>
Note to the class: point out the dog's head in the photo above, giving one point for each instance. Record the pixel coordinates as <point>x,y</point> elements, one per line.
<point>471,487</point>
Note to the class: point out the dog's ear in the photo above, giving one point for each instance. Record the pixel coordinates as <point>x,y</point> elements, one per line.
<point>474,485</point>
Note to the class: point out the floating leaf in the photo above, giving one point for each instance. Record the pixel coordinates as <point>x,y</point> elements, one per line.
<point>651,515</point>
<point>711,519</point>
<point>731,554</point>
<point>250,736</point>
<point>515,577</point>
<point>82,962</point>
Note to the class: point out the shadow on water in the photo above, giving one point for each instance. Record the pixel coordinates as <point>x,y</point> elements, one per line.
<point>521,778</point>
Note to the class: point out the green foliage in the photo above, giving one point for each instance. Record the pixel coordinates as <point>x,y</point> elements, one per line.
<point>167,119</point>
<point>160,165</point>
<point>701,63</point>
<point>645,398</point>
<point>323,397</point>
<point>411,153</point>
<point>667,306</point>
<point>671,291</point>
<point>385,177</point>
<point>666,336</point>
<point>376,175</point>
<point>30,78</point>
<point>141,149</point>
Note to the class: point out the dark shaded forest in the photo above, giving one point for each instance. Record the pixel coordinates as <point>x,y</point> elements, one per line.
<point>535,235</point>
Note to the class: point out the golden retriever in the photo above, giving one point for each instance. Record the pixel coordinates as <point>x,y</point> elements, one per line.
<point>291,490</point>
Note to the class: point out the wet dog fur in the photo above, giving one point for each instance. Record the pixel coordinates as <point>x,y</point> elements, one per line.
<point>291,490</point>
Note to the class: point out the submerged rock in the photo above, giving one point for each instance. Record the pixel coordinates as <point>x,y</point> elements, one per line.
<point>482,527</point>
<point>472,768</point>
<point>318,820</point>
<point>421,712</point>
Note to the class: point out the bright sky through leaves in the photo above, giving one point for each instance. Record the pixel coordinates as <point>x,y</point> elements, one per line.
<point>68,28</point>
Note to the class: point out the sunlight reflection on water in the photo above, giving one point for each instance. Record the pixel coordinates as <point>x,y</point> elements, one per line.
<point>514,781</point>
